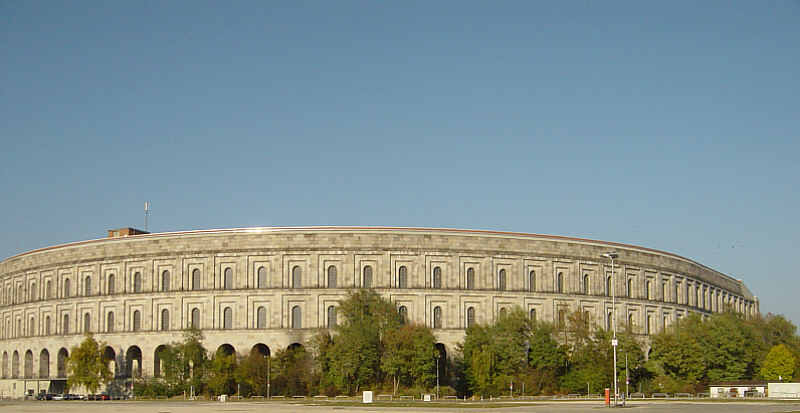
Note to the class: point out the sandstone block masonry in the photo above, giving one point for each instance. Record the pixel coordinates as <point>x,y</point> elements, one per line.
<point>270,288</point>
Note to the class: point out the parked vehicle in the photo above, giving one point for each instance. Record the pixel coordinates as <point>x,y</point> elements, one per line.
<point>58,397</point>
<point>101,396</point>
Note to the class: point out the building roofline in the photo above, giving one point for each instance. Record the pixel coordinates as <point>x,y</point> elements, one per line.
<point>369,229</point>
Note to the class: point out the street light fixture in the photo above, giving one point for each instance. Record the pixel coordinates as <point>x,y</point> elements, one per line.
<point>611,255</point>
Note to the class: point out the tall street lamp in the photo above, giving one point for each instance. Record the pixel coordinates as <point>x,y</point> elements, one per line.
<point>437,377</point>
<point>612,255</point>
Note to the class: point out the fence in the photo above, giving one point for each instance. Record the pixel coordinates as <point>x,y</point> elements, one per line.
<point>389,398</point>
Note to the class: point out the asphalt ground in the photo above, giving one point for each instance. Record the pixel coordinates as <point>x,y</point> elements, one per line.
<point>439,407</point>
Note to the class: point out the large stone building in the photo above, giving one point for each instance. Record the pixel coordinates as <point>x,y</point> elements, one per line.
<point>269,288</point>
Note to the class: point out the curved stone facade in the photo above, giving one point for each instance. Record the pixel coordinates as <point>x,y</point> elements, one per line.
<point>278,286</point>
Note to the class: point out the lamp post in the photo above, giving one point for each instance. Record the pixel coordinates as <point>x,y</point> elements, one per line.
<point>269,358</point>
<point>437,377</point>
<point>611,255</point>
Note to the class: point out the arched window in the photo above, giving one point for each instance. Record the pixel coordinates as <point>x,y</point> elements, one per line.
<point>261,317</point>
<point>15,365</point>
<point>87,286</point>
<point>196,279</point>
<point>137,282</point>
<point>649,322</point>
<point>501,280</point>
<point>367,279</point>
<point>630,287</point>
<point>562,321</point>
<point>437,277</point>
<point>470,278</point>
<point>586,284</point>
<point>165,281</point>
<point>437,317</point>
<point>165,320</point>
<point>533,314</point>
<point>610,321</point>
<point>647,288</point>
<point>227,318</point>
<point>196,317</point>
<point>87,323</point>
<point>332,281</point>
<point>110,322</point>
<point>402,277</point>
<point>403,311</point>
<point>44,364</point>
<point>227,282</point>
<point>503,312</point>
<point>262,277</point>
<point>66,288</point>
<point>28,364</point>
<point>470,317</point>
<point>137,321</point>
<point>630,320</point>
<point>111,284</point>
<point>532,280</point>
<point>47,325</point>
<point>48,290</point>
<point>297,277</point>
<point>560,283</point>
<point>61,362</point>
<point>297,317</point>
<point>32,292</point>
<point>331,317</point>
<point>32,327</point>
<point>608,286</point>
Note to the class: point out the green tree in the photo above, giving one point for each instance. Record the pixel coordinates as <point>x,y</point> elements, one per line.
<point>86,366</point>
<point>292,369</point>
<point>477,359</point>
<point>512,349</point>
<point>321,346</point>
<point>221,370</point>
<point>354,359</point>
<point>410,357</point>
<point>184,363</point>
<point>547,358</point>
<point>678,350</point>
<point>590,356</point>
<point>695,351</point>
<point>251,372</point>
<point>779,364</point>
<point>772,330</point>
<point>776,329</point>
<point>729,351</point>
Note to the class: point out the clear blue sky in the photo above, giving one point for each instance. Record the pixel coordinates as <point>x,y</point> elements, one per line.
<point>669,125</point>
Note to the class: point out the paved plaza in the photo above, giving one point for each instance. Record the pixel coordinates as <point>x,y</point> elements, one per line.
<point>543,407</point>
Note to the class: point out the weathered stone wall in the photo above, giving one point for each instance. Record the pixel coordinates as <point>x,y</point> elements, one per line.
<point>39,315</point>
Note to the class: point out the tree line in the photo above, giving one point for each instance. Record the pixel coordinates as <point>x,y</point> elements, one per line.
<point>374,348</point>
